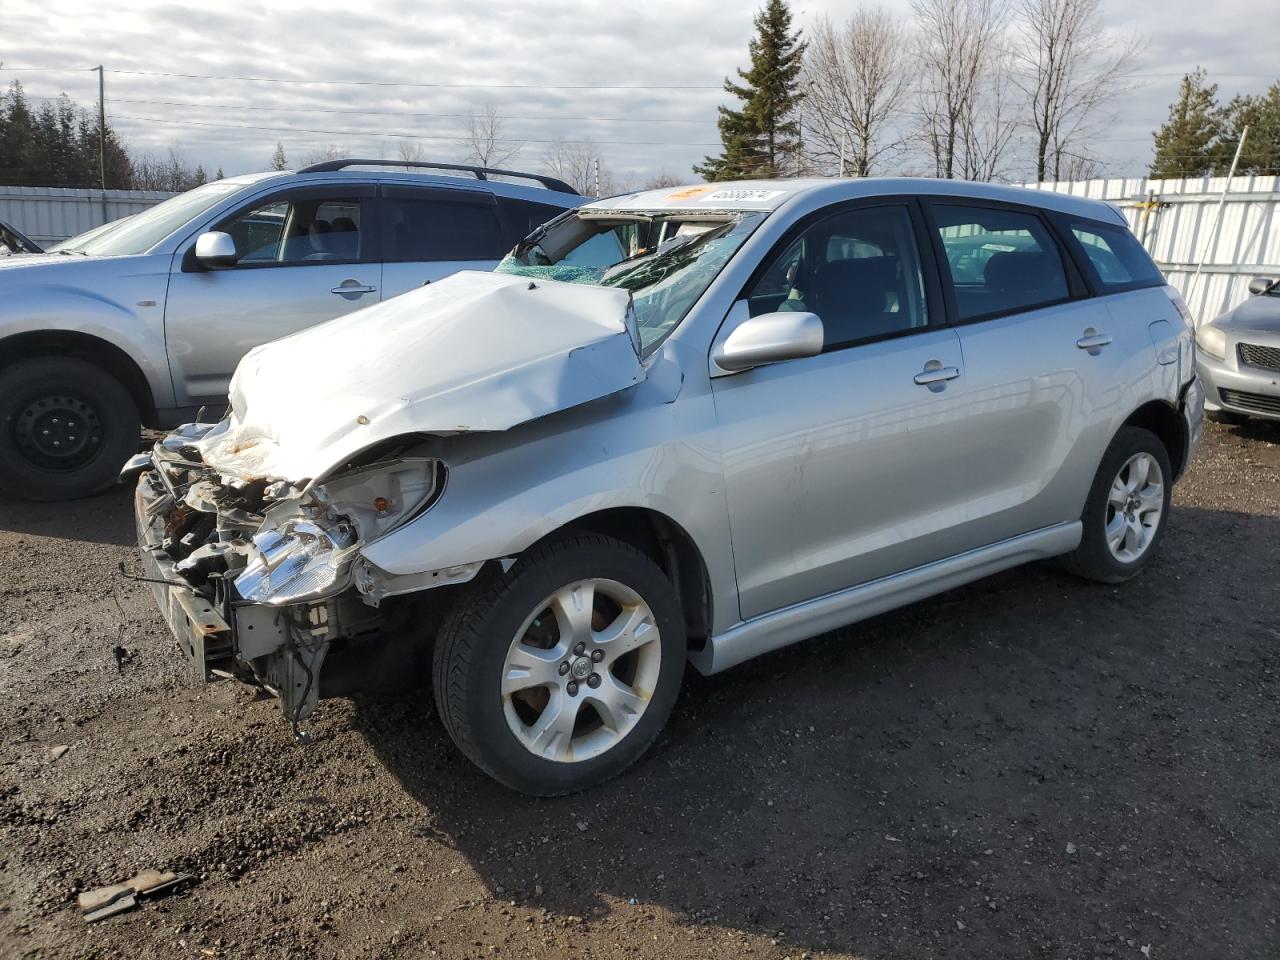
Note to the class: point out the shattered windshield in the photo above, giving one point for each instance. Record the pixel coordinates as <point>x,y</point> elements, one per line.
<point>666,260</point>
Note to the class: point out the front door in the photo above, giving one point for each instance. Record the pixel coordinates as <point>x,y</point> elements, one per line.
<point>304,256</point>
<point>845,467</point>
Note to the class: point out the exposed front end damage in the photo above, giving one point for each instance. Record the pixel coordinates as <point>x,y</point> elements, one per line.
<point>262,581</point>
<point>253,529</point>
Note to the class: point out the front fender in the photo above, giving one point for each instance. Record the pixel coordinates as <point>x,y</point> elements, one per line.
<point>506,491</point>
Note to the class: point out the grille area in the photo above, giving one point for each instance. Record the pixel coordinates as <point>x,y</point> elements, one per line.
<point>1251,401</point>
<point>1253,355</point>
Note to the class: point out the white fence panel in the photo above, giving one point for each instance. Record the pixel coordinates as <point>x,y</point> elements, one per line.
<point>50,214</point>
<point>1175,220</point>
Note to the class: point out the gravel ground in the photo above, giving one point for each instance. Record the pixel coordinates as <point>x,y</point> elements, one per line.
<point>1027,767</point>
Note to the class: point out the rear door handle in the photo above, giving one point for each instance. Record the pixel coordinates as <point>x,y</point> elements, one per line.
<point>936,374</point>
<point>352,288</point>
<point>1092,340</point>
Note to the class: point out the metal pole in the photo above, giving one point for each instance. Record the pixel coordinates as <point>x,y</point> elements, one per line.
<point>102,128</point>
<point>843,140</point>
<point>597,166</point>
<point>1217,220</point>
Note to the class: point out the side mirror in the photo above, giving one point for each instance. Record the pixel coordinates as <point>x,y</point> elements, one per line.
<point>216,249</point>
<point>1260,285</point>
<point>769,338</point>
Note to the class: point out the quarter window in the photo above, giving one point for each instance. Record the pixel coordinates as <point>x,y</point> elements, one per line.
<point>1001,261</point>
<point>858,270</point>
<point>429,227</point>
<point>1116,255</point>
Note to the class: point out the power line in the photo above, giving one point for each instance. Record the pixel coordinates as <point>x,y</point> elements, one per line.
<point>403,136</point>
<point>404,83</point>
<point>385,113</point>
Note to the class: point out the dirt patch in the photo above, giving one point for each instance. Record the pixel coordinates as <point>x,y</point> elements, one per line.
<point>1027,767</point>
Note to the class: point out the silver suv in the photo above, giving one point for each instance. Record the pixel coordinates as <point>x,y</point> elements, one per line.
<point>144,321</point>
<point>695,424</point>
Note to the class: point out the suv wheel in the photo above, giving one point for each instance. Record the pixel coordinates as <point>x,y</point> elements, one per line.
<point>66,428</point>
<point>1126,510</point>
<point>559,674</point>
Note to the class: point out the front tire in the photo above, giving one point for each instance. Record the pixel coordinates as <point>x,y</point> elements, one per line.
<point>1127,509</point>
<point>66,428</point>
<point>558,674</point>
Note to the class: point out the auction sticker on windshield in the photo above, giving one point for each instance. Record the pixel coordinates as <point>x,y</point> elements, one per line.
<point>740,196</point>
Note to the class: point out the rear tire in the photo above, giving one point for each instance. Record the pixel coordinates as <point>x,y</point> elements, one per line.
<point>1127,509</point>
<point>529,706</point>
<point>66,428</point>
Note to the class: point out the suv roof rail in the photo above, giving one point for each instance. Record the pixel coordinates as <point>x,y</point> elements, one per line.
<point>481,173</point>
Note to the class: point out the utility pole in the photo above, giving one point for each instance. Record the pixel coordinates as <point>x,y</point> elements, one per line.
<point>597,168</point>
<point>102,129</point>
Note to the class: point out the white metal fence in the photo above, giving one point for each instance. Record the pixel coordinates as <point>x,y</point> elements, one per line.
<point>50,214</point>
<point>1179,224</point>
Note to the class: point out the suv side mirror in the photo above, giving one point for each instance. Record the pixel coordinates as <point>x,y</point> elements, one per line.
<point>216,249</point>
<point>769,338</point>
<point>1260,285</point>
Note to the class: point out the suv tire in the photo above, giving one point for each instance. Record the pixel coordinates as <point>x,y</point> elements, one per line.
<point>66,428</point>
<point>1129,498</point>
<point>594,722</point>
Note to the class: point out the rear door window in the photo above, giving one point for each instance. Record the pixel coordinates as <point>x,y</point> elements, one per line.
<point>1117,259</point>
<point>1000,261</point>
<point>426,225</point>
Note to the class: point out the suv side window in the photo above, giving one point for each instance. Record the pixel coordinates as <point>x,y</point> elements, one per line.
<point>1001,261</point>
<point>1116,256</point>
<point>858,270</point>
<point>300,229</point>
<point>424,225</point>
<point>525,216</point>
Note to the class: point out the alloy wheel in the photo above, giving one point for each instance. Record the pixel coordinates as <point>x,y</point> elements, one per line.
<point>1135,507</point>
<point>581,670</point>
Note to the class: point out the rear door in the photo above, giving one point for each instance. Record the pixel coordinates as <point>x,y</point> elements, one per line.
<point>429,233</point>
<point>1044,363</point>
<point>304,256</point>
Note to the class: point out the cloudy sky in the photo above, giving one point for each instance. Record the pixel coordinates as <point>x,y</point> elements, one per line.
<point>643,85</point>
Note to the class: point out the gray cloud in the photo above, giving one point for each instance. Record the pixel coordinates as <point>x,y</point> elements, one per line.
<point>594,45</point>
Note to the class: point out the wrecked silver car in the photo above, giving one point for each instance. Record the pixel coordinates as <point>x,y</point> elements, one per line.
<point>693,424</point>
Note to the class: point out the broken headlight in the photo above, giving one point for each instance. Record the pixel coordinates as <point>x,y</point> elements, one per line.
<point>309,540</point>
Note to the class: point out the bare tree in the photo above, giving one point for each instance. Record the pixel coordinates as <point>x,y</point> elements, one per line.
<point>411,151</point>
<point>855,82</point>
<point>575,162</point>
<point>1068,70</point>
<point>171,171</point>
<point>957,48</point>
<point>483,142</point>
<point>988,124</point>
<point>662,181</point>
<point>331,151</point>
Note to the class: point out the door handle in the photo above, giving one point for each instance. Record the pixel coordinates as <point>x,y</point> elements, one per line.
<point>1092,340</point>
<point>936,374</point>
<point>352,287</point>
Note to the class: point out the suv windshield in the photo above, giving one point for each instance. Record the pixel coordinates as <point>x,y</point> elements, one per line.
<point>666,260</point>
<point>142,231</point>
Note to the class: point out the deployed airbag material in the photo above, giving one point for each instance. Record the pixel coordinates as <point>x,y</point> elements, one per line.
<point>476,351</point>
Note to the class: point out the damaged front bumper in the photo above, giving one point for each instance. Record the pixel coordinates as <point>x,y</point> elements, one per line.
<point>262,580</point>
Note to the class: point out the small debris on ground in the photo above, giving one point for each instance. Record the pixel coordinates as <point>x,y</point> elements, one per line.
<point>56,752</point>
<point>108,901</point>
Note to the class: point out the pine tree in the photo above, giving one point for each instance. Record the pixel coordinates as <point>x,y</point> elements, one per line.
<point>278,161</point>
<point>762,138</point>
<point>1187,144</point>
<point>1261,114</point>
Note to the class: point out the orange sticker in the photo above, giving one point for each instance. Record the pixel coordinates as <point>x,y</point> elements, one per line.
<point>688,193</point>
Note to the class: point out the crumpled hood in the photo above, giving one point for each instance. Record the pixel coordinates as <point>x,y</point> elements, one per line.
<point>476,351</point>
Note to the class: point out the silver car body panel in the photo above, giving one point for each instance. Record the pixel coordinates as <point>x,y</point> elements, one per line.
<point>816,490</point>
<point>1254,323</point>
<point>186,349</point>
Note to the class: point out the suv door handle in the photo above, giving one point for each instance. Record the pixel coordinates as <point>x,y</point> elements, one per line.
<point>352,287</point>
<point>936,374</point>
<point>1092,340</point>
